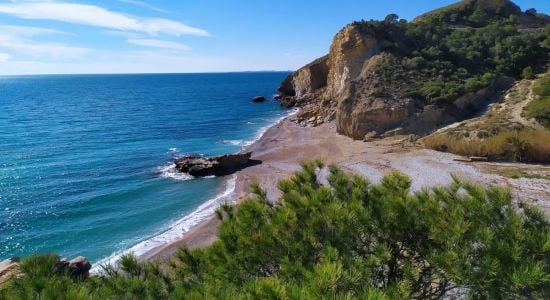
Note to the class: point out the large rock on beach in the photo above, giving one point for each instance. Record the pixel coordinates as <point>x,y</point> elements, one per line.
<point>78,267</point>
<point>200,166</point>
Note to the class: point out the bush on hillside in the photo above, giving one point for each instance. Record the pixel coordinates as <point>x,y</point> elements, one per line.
<point>539,108</point>
<point>437,59</point>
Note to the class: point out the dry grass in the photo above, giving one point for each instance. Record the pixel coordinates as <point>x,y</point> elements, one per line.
<point>525,145</point>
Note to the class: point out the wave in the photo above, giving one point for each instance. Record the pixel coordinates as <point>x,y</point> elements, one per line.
<point>241,143</point>
<point>264,129</point>
<point>169,171</point>
<point>175,231</point>
<point>245,143</point>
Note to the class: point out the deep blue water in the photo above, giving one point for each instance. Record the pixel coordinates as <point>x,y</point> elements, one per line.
<point>84,159</point>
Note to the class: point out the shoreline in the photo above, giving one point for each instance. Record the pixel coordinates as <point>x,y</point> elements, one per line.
<point>203,232</point>
<point>203,215</point>
<point>285,144</point>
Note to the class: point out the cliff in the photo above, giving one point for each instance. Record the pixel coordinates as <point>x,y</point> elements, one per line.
<point>416,77</point>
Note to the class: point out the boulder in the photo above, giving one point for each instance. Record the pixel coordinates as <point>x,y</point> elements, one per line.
<point>78,267</point>
<point>258,99</point>
<point>200,166</point>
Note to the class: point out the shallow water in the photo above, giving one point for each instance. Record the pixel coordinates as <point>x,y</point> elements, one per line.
<point>85,159</point>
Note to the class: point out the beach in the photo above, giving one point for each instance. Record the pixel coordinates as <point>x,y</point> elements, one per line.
<point>286,144</point>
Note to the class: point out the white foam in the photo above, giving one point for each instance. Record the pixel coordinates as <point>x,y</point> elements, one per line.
<point>260,133</point>
<point>175,231</point>
<point>264,129</point>
<point>170,171</point>
<point>234,142</point>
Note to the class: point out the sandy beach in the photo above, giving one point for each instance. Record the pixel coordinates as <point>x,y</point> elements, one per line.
<point>286,144</point>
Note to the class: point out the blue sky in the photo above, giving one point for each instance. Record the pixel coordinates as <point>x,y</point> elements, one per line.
<point>131,36</point>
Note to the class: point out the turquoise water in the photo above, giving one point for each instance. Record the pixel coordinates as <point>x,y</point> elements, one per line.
<point>85,159</point>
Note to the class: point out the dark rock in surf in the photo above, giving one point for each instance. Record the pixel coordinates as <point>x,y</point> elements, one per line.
<point>200,166</point>
<point>258,99</point>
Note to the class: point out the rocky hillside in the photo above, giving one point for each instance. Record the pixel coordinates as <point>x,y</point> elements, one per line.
<point>415,77</point>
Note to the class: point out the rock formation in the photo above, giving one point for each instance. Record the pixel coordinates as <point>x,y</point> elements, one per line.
<point>344,87</point>
<point>348,87</point>
<point>201,166</point>
<point>77,268</point>
<point>258,99</point>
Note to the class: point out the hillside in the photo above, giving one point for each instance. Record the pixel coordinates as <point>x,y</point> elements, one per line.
<point>415,77</point>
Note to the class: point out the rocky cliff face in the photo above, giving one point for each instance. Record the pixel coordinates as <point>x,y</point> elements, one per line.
<point>347,85</point>
<point>306,80</point>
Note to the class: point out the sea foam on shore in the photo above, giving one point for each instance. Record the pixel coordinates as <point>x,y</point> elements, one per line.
<point>176,230</point>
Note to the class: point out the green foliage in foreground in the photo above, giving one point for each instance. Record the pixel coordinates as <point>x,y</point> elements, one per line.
<point>348,239</point>
<point>539,108</point>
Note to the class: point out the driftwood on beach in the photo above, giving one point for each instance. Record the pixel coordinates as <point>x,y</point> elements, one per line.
<point>201,166</point>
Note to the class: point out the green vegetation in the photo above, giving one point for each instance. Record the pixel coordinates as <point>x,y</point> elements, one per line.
<point>458,49</point>
<point>348,239</point>
<point>516,174</point>
<point>520,146</point>
<point>539,108</point>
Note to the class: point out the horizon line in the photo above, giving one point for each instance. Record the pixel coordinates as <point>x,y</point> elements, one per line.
<point>145,73</point>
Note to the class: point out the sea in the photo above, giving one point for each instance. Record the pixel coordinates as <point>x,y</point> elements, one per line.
<point>86,161</point>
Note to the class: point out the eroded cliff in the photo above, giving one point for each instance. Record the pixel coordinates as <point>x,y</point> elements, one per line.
<point>391,75</point>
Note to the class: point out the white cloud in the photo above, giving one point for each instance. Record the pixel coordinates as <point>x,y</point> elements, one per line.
<point>143,4</point>
<point>4,57</point>
<point>27,31</point>
<point>97,16</point>
<point>38,49</point>
<point>158,44</point>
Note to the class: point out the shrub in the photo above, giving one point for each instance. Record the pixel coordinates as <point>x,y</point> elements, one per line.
<point>539,108</point>
<point>348,239</point>
<point>528,73</point>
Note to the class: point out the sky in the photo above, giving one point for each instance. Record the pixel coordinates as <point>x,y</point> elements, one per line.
<point>169,36</point>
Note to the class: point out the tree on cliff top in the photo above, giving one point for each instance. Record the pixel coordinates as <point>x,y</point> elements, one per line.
<point>347,239</point>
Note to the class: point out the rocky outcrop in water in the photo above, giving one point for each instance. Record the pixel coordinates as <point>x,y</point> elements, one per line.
<point>258,99</point>
<point>200,166</point>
